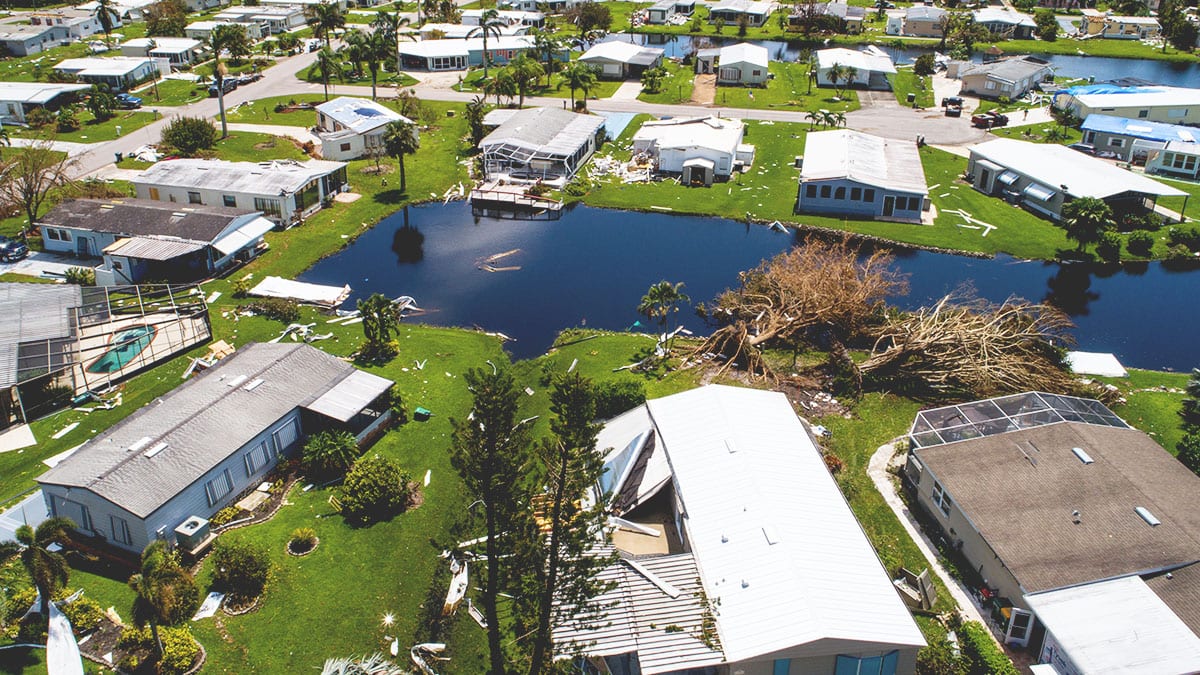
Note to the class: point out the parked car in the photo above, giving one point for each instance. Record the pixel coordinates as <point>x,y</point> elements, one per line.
<point>953,111</point>
<point>989,120</point>
<point>249,77</point>
<point>228,84</point>
<point>1085,148</point>
<point>952,100</point>
<point>128,101</point>
<point>12,250</point>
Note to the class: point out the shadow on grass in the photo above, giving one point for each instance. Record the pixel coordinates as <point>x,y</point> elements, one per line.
<point>18,660</point>
<point>391,197</point>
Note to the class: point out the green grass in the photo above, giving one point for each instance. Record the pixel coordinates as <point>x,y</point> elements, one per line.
<point>789,89</point>
<point>91,131</point>
<point>675,88</point>
<point>906,82</point>
<point>1118,49</point>
<point>173,92</point>
<point>262,111</point>
<point>1193,190</point>
<point>1038,133</point>
<point>13,277</point>
<point>1152,404</point>
<point>244,146</point>
<point>556,89</point>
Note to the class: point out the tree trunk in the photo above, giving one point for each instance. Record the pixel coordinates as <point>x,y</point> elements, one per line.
<point>541,638</point>
<point>374,81</point>
<point>45,608</point>
<point>221,100</point>
<point>158,648</point>
<point>491,590</point>
<point>403,178</point>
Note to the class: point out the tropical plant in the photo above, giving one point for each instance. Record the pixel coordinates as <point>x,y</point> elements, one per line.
<point>1085,219</point>
<point>225,37</point>
<point>660,302</point>
<point>652,79</point>
<point>924,65</point>
<point>80,276</point>
<point>525,71</point>
<point>835,75</point>
<point>328,64</point>
<point>380,321</point>
<point>400,139</point>
<point>375,664</point>
<point>106,13</point>
<point>489,24</point>
<point>1189,411</point>
<point>547,44</point>
<point>324,18</point>
<point>579,76</point>
<point>813,117</point>
<point>303,540</point>
<point>329,454</point>
<point>475,112</point>
<point>614,397</point>
<point>67,119</point>
<point>354,50</point>
<point>1140,243</point>
<point>378,49</point>
<point>164,592</point>
<point>240,568</point>
<point>188,136</point>
<point>1189,451</point>
<point>376,488</point>
<point>48,569</point>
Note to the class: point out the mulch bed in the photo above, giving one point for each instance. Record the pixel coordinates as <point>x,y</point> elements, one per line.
<point>301,554</point>
<point>102,641</point>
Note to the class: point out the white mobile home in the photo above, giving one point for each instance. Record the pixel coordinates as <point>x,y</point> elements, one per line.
<point>350,128</point>
<point>202,30</point>
<point>1173,105</point>
<point>1131,140</point>
<point>621,60</point>
<point>284,191</point>
<point>856,175</point>
<point>119,72</point>
<point>548,144</point>
<point>698,149</point>
<point>743,64</point>
<point>78,23</point>
<point>1177,160</point>
<point>1011,78</point>
<point>18,98</point>
<point>755,12</point>
<point>177,51</point>
<point>870,70</point>
<point>23,40</point>
<point>214,438</point>
<point>1006,23</point>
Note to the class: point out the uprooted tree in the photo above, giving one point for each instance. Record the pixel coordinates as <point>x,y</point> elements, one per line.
<point>973,348</point>
<point>830,290</point>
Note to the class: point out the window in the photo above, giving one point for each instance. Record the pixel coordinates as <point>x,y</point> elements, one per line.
<point>218,487</point>
<point>989,85</point>
<point>1177,160</point>
<point>194,198</point>
<point>839,193</point>
<point>810,191</point>
<point>286,435</point>
<point>258,458</point>
<point>869,195</point>
<point>1143,114</point>
<point>154,193</point>
<point>825,191</point>
<point>1177,113</point>
<point>65,234</point>
<point>1116,142</point>
<point>941,498</point>
<point>268,206</point>
<point>229,200</point>
<point>120,530</point>
<point>855,194</point>
<point>781,667</point>
<point>867,665</point>
<point>757,73</point>
<point>345,147</point>
<point>53,234</point>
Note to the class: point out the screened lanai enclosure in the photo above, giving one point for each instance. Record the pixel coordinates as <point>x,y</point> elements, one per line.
<point>538,144</point>
<point>1006,413</point>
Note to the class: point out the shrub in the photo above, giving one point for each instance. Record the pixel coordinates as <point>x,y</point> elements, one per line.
<point>616,396</point>
<point>278,309</point>
<point>833,463</point>
<point>303,540</point>
<point>240,568</point>
<point>18,604</point>
<point>1179,252</point>
<point>1109,246</point>
<point>1140,242</point>
<point>80,276</point>
<point>241,288</point>
<point>1188,235</point>
<point>1140,221</point>
<point>924,65</point>
<point>225,516</point>
<point>329,454</point>
<point>189,135</point>
<point>179,650</point>
<point>67,119</point>
<point>84,614</point>
<point>375,489</point>
<point>984,656</point>
<point>39,117</point>
<point>396,405</point>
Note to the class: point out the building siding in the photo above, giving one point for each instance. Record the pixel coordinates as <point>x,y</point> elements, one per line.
<point>848,206</point>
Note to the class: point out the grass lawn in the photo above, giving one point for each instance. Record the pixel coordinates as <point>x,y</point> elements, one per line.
<point>244,146</point>
<point>556,89</point>
<point>1193,190</point>
<point>789,88</point>
<point>91,131</point>
<point>262,111</point>
<point>173,92</point>
<point>906,82</point>
<point>387,80</point>
<point>1119,49</point>
<point>1038,133</point>
<point>1153,401</point>
<point>676,88</point>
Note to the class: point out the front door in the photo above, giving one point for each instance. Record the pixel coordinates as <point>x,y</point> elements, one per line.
<point>889,206</point>
<point>83,246</point>
<point>1018,627</point>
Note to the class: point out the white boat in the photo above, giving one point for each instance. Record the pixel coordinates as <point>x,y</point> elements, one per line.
<point>424,653</point>
<point>458,586</point>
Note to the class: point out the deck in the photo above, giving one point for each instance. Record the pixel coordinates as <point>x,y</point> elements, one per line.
<point>513,201</point>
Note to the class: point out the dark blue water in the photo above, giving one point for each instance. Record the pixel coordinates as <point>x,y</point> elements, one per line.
<point>592,267</point>
<point>1101,68</point>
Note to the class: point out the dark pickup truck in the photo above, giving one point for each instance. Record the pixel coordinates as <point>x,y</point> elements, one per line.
<point>989,120</point>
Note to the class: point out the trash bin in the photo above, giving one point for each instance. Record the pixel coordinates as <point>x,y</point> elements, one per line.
<point>912,98</point>
<point>120,156</point>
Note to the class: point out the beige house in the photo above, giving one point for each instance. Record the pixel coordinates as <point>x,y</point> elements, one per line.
<point>1106,25</point>
<point>1011,78</point>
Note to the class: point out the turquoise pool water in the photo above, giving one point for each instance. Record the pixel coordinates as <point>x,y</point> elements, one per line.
<point>125,346</point>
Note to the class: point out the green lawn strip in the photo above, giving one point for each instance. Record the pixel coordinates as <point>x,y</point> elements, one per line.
<point>13,277</point>
<point>386,80</point>
<point>245,146</point>
<point>1037,133</point>
<point>556,89</point>
<point>789,88</point>
<point>675,88</point>
<point>173,92</point>
<point>906,82</point>
<point>1119,49</point>
<point>90,131</point>
<point>262,111</point>
<point>1193,190</point>
<point>1152,403</point>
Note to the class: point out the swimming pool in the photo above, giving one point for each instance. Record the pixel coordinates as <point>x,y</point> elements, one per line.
<point>124,347</point>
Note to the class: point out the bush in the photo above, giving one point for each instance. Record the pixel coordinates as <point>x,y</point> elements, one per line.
<point>67,119</point>
<point>240,568</point>
<point>396,405</point>
<point>39,117</point>
<point>1140,221</point>
<point>982,653</point>
<point>180,650</point>
<point>616,396</point>
<point>303,540</point>
<point>278,309</point>
<point>924,65</point>
<point>1109,246</point>
<point>375,489</point>
<point>80,276</point>
<point>187,136</point>
<point>241,287</point>
<point>329,454</point>
<point>84,614</point>
<point>225,516</point>
<point>1140,242</point>
<point>1179,252</point>
<point>1187,235</point>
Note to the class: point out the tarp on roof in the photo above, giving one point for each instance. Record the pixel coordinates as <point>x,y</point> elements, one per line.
<point>348,397</point>
<point>316,294</point>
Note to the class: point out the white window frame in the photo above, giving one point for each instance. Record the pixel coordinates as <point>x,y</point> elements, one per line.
<point>120,534</point>
<point>211,487</point>
<point>942,498</point>
<point>257,458</point>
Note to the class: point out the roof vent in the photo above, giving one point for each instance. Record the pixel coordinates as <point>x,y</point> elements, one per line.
<point>724,539</point>
<point>745,584</point>
<point>156,449</point>
<point>254,384</point>
<point>140,443</point>
<point>771,534</point>
<point>1147,516</point>
<point>236,381</point>
<point>730,446</point>
<point>1082,455</point>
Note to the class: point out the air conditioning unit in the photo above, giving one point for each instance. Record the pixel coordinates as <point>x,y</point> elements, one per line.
<point>193,531</point>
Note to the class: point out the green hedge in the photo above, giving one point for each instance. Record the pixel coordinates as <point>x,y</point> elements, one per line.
<point>984,656</point>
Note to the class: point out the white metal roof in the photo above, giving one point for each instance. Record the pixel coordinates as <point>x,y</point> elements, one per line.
<point>882,162</point>
<point>350,396</point>
<point>114,65</point>
<point>1118,627</point>
<point>436,48</point>
<point>1003,15</point>
<point>1060,167</point>
<point>779,552</point>
<point>36,93</point>
<point>744,52</point>
<point>244,235</point>
<point>359,114</point>
<point>722,135</point>
<point>269,179</point>
<point>167,45</point>
<point>621,52</point>
<point>545,131</point>
<point>861,61</point>
<point>1162,96</point>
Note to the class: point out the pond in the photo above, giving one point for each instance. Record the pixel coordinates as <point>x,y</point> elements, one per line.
<point>592,266</point>
<point>1102,68</point>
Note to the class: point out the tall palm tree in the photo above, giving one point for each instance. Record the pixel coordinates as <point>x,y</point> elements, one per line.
<point>355,45</point>
<point>661,301</point>
<point>328,63</point>
<point>379,48</point>
<point>547,45</point>
<point>524,71</point>
<point>221,39</point>
<point>400,139</point>
<point>813,117</point>
<point>48,569</point>
<point>164,591</point>
<point>834,75</point>
<point>579,75</point>
<point>489,24</point>
<point>106,14</point>
<point>386,27</point>
<point>325,18</point>
<point>848,75</point>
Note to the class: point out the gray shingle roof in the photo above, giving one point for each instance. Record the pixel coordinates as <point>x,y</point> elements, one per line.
<point>202,422</point>
<point>33,312</point>
<point>1024,511</point>
<point>1009,70</point>
<point>143,217</point>
<point>1181,592</point>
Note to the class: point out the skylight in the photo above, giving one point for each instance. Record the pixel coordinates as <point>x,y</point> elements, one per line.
<point>156,449</point>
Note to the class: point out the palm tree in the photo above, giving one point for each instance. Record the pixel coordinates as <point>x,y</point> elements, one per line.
<point>221,39</point>
<point>547,45</point>
<point>524,71</point>
<point>328,63</point>
<point>164,592</point>
<point>834,75</point>
<point>400,139</point>
<point>474,115</point>
<point>325,18</point>
<point>48,569</point>
<point>355,45</point>
<point>106,14</point>
<point>660,302</point>
<point>579,75</point>
<point>813,117</point>
<point>1086,219</point>
<point>387,31</point>
<point>500,85</point>
<point>375,664</point>
<point>848,75</point>
<point>652,78</point>
<point>838,119</point>
<point>489,24</point>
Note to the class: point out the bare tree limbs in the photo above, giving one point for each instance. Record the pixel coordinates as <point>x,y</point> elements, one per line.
<point>28,177</point>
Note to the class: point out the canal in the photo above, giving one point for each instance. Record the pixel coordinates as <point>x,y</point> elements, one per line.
<point>592,266</point>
